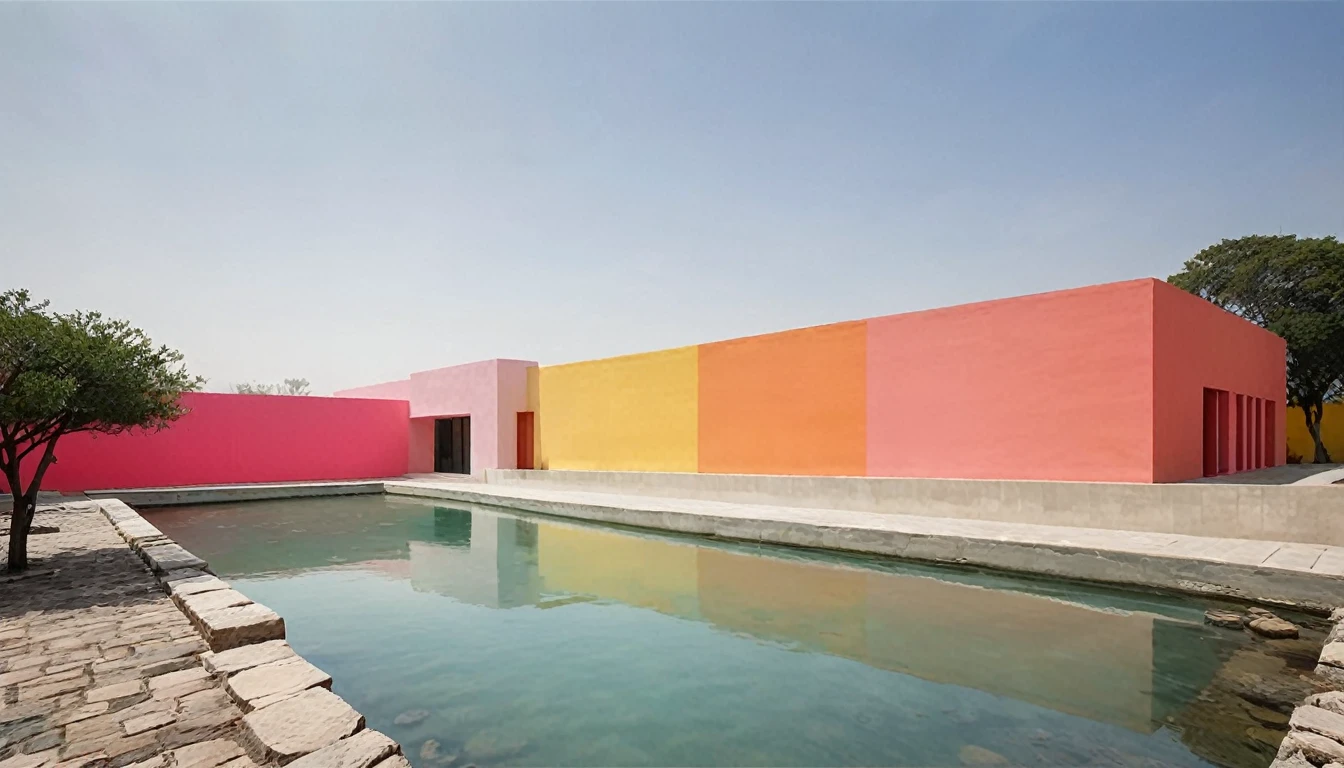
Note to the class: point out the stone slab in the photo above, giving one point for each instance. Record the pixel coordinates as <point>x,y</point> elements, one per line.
<point>171,557</point>
<point>115,691</point>
<point>133,529</point>
<point>179,683</point>
<point>227,628</point>
<point>207,754</point>
<point>147,722</point>
<point>1316,748</point>
<point>305,723</point>
<point>1330,700</point>
<point>195,585</point>
<point>1318,720</point>
<point>363,750</point>
<point>1333,654</point>
<point>116,511</point>
<point>203,602</point>
<point>246,657</point>
<point>269,683</point>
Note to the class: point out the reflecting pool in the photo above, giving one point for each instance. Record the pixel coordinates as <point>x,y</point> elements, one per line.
<point>475,636</point>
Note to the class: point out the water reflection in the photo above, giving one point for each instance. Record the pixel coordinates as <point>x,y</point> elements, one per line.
<point>1032,648</point>
<point>1135,662</point>
<point>478,558</point>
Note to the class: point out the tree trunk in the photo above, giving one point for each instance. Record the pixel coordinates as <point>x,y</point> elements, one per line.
<point>1314,416</point>
<point>20,521</point>
<point>25,506</point>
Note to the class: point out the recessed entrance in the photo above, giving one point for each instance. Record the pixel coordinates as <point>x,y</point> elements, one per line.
<point>526,436</point>
<point>452,445</point>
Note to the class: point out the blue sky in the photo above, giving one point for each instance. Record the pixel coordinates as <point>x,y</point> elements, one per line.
<point>349,192</point>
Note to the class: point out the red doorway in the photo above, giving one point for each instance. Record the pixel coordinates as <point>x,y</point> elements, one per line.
<point>526,437</point>
<point>1211,442</point>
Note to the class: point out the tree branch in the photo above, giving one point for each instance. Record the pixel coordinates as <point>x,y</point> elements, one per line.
<point>47,458</point>
<point>57,430</point>
<point>39,428</point>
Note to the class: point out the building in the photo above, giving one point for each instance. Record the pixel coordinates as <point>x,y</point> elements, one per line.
<point>1135,381</point>
<point>1128,382</point>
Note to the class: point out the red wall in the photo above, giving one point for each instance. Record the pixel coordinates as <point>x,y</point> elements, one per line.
<point>1055,386</point>
<point>243,439</point>
<point>1197,345</point>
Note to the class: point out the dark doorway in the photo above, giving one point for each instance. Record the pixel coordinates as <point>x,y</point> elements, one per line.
<point>452,445</point>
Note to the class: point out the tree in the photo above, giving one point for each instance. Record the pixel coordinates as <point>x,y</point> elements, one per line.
<point>1294,287</point>
<point>67,373</point>
<point>289,387</point>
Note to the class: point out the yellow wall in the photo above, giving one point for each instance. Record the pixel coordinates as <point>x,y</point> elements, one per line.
<point>1332,428</point>
<point>534,405</point>
<point>637,412</point>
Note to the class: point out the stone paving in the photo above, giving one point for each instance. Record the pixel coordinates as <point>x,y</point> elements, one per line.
<point>98,666</point>
<point>106,660</point>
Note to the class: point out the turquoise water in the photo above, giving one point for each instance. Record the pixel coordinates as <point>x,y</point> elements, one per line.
<point>479,637</point>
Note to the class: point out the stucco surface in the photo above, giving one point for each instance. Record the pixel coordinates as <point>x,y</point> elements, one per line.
<point>1053,386</point>
<point>636,412</point>
<point>791,403</point>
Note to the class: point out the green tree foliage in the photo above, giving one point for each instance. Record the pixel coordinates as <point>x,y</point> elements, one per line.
<point>289,387</point>
<point>1294,287</point>
<point>67,373</point>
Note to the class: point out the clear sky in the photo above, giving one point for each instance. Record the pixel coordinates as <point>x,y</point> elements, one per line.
<point>349,192</point>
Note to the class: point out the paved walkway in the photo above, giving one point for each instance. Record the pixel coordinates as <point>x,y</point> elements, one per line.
<point>1308,575</point>
<point>1285,474</point>
<point>97,665</point>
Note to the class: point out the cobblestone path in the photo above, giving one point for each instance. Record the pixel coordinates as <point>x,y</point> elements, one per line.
<point>98,667</point>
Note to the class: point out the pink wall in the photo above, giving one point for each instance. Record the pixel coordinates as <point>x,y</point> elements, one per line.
<point>1197,345</point>
<point>242,439</point>
<point>388,390</point>
<point>461,390</point>
<point>1055,386</point>
<point>512,399</point>
<point>491,392</point>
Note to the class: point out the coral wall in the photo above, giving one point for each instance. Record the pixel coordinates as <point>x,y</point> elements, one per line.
<point>1198,345</point>
<point>1055,386</point>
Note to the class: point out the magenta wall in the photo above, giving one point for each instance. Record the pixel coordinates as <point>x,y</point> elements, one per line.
<point>243,439</point>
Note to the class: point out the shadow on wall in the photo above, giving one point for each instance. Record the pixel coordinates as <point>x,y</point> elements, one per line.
<point>1332,431</point>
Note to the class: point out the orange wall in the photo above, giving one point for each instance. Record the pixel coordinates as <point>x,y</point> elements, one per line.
<point>1197,345</point>
<point>1055,386</point>
<point>791,403</point>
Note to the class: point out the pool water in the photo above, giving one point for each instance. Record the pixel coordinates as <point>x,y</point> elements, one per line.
<point>476,636</point>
